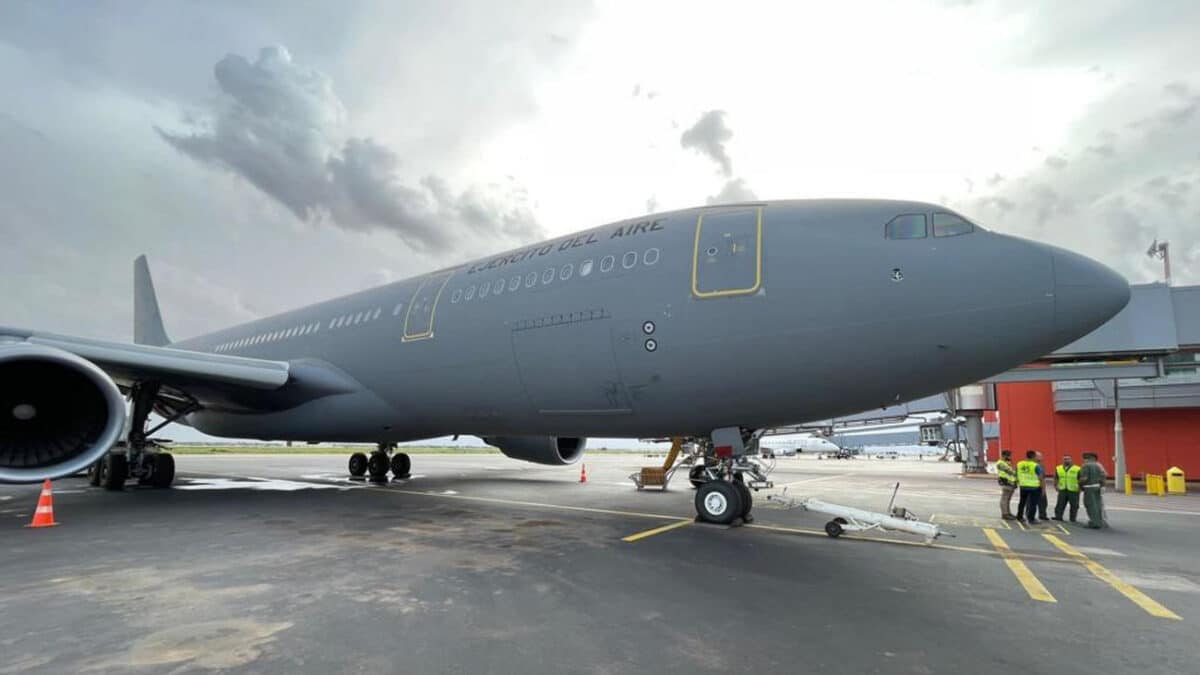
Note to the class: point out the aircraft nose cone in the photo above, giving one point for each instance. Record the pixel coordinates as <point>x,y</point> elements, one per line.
<point>1086,294</point>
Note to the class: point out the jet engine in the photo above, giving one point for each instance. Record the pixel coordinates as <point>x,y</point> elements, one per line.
<point>553,450</point>
<point>58,413</point>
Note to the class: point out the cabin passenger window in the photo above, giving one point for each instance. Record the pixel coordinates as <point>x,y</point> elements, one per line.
<point>950,225</point>
<point>585,268</point>
<point>497,287</point>
<point>376,314</point>
<point>908,226</point>
<point>470,292</point>
<point>567,271</point>
<point>629,259</point>
<point>548,275</point>
<point>484,289</point>
<point>514,283</point>
<point>531,280</point>
<point>650,256</point>
<point>606,263</point>
<point>456,296</point>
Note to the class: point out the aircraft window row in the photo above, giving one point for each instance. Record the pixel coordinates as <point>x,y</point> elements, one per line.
<point>565,272</point>
<point>916,226</point>
<point>359,317</point>
<point>272,336</point>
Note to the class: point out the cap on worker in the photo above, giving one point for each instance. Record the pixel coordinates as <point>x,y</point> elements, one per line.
<point>1006,453</point>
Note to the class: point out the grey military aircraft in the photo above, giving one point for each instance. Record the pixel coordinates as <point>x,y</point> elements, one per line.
<point>710,323</point>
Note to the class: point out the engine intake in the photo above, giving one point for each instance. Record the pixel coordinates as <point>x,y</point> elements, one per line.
<point>58,413</point>
<point>552,450</point>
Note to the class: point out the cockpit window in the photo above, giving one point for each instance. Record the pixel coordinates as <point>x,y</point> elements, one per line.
<point>950,225</point>
<point>907,226</point>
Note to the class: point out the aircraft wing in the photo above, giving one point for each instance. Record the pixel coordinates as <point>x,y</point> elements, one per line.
<point>128,363</point>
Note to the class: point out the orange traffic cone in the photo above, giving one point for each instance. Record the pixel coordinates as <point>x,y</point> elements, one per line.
<point>583,473</point>
<point>43,515</point>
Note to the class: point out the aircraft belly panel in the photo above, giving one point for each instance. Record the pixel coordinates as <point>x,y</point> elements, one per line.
<point>567,365</point>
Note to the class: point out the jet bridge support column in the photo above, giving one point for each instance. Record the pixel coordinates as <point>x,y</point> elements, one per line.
<point>976,456</point>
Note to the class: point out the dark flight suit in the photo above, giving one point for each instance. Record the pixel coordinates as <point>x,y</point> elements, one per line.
<point>1091,482</point>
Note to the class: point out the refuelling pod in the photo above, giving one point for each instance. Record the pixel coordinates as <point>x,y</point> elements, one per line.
<point>552,450</point>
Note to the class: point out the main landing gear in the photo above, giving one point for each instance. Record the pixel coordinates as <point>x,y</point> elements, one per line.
<point>724,480</point>
<point>138,456</point>
<point>379,462</point>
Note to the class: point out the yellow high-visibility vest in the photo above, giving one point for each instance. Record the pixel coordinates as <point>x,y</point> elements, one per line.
<point>1005,471</point>
<point>1068,479</point>
<point>1027,474</point>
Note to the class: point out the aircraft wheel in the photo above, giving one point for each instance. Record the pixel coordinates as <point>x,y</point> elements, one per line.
<point>401,465</point>
<point>747,500</point>
<point>358,464</point>
<point>93,473</point>
<point>114,469</point>
<point>719,502</point>
<point>164,470</point>
<point>377,466</point>
<point>696,476</point>
<point>833,529</point>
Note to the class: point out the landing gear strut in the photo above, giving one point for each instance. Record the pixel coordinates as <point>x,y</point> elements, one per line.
<point>726,477</point>
<point>138,456</point>
<point>379,462</point>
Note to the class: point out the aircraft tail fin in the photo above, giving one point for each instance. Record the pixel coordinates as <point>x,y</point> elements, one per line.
<point>147,320</point>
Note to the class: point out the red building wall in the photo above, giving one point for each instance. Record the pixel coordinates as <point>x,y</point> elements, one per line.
<point>1155,440</point>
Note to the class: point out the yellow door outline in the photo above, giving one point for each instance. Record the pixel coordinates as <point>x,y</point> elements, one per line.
<point>432,311</point>
<point>757,262</point>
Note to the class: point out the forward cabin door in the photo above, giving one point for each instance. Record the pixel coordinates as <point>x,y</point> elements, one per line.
<point>422,308</point>
<point>727,258</point>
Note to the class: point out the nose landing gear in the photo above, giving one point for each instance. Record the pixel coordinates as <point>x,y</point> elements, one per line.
<point>725,477</point>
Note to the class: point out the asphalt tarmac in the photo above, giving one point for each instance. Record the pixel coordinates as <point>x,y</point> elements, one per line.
<point>480,564</point>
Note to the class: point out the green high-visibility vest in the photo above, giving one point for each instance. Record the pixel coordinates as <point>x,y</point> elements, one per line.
<point>1027,474</point>
<point>1068,479</point>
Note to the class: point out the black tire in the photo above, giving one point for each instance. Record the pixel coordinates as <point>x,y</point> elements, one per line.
<point>377,466</point>
<point>747,499</point>
<point>114,469</point>
<point>401,465</point>
<point>164,470</point>
<point>833,529</point>
<point>696,476</point>
<point>719,502</point>
<point>93,473</point>
<point>358,464</point>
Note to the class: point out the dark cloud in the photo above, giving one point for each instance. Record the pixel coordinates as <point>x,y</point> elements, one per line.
<point>281,127</point>
<point>1056,162</point>
<point>708,137</point>
<point>734,190</point>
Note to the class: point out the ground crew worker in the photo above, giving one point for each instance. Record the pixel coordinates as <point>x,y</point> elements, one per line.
<point>1030,484</point>
<point>1091,482</point>
<point>1043,502</point>
<point>1007,477</point>
<point>1066,481</point>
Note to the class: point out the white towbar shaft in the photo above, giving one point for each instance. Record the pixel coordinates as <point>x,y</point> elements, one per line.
<point>850,519</point>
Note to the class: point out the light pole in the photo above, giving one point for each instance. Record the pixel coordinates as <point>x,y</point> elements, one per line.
<point>1162,251</point>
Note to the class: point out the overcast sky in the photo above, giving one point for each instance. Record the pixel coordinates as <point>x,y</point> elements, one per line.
<point>266,155</point>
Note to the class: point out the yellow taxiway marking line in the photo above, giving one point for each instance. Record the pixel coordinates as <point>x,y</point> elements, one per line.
<point>1102,573</point>
<point>1064,530</point>
<point>658,530</point>
<point>1020,570</point>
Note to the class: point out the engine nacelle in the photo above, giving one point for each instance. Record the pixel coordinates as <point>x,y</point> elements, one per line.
<point>553,450</point>
<point>58,413</point>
